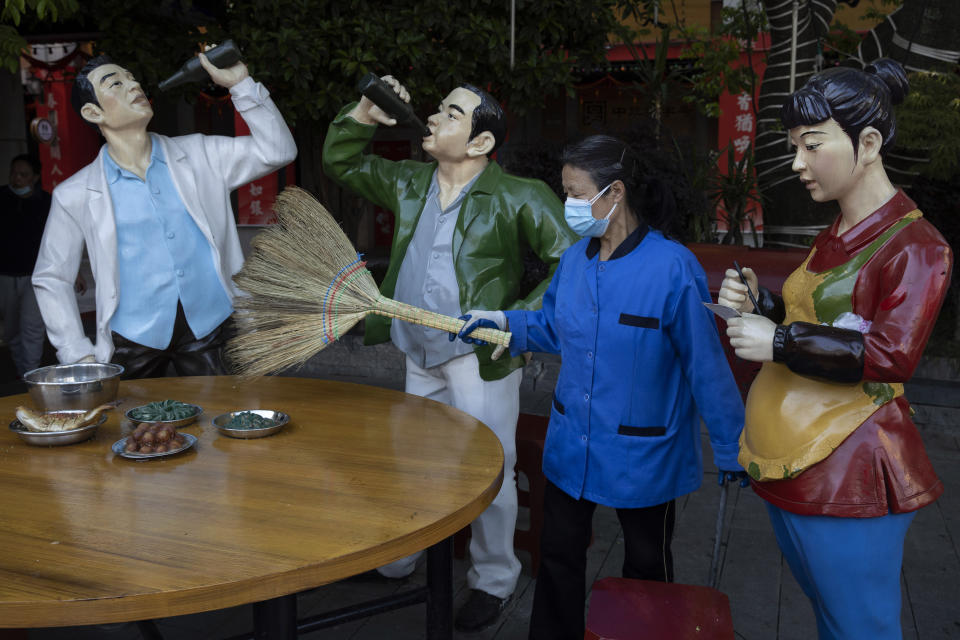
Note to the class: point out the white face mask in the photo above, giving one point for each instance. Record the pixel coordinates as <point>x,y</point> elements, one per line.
<point>22,191</point>
<point>579,215</point>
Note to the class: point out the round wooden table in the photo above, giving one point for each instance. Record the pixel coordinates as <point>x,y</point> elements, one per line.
<point>361,476</point>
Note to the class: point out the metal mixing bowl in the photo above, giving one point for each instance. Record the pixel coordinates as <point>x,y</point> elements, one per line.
<point>73,387</point>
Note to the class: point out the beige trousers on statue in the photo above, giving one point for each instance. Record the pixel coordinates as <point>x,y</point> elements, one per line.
<point>494,566</point>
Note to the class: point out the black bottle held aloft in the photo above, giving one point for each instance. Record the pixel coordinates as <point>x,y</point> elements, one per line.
<point>225,55</point>
<point>383,95</point>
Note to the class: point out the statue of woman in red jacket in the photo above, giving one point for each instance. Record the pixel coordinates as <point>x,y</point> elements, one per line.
<point>828,440</point>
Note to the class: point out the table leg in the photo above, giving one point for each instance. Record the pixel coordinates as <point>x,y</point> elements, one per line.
<point>275,619</point>
<point>148,630</point>
<point>440,590</point>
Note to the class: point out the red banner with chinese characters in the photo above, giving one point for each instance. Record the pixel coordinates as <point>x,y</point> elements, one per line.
<point>737,127</point>
<point>255,199</point>
<point>75,144</point>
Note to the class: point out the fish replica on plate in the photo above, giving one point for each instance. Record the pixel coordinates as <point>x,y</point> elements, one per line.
<point>58,421</point>
<point>56,428</point>
<point>56,438</point>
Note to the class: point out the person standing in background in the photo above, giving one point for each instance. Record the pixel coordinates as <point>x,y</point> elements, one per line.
<point>24,207</point>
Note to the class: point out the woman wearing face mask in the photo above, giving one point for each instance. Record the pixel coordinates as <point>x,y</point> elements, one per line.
<point>828,441</point>
<point>641,363</point>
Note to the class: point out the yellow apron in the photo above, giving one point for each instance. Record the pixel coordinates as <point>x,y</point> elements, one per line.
<point>794,421</point>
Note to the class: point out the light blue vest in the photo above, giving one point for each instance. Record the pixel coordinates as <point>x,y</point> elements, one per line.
<point>162,257</point>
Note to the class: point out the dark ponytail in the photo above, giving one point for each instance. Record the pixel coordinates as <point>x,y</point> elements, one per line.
<point>607,159</point>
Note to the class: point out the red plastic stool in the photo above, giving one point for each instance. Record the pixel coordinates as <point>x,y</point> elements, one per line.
<point>531,433</point>
<point>625,609</point>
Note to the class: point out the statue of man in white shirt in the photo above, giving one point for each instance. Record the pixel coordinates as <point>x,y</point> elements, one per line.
<point>155,215</point>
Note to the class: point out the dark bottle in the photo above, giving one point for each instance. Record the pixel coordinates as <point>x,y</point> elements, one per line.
<point>383,95</point>
<point>225,55</point>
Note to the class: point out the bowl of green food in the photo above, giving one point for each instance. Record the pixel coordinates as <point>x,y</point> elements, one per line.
<point>171,412</point>
<point>254,423</point>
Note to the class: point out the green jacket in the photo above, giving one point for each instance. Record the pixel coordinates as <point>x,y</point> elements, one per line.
<point>499,217</point>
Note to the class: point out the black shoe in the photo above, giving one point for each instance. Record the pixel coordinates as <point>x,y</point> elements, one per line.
<point>479,611</point>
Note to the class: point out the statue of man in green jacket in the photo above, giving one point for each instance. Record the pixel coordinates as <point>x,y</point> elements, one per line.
<point>462,229</point>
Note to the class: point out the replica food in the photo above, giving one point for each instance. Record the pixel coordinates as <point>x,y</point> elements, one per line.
<point>249,420</point>
<point>154,438</point>
<point>59,421</point>
<point>164,410</point>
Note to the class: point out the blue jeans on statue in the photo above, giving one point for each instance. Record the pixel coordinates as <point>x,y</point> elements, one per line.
<point>849,568</point>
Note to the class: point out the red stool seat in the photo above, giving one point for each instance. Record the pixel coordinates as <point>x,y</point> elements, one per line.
<point>531,433</point>
<point>624,609</point>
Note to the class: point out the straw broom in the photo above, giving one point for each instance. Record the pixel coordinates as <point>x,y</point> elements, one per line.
<point>306,287</point>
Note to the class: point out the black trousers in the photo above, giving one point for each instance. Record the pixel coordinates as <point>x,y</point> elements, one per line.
<point>189,355</point>
<point>559,597</point>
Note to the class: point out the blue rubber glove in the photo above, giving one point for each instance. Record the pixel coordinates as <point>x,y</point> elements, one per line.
<point>732,476</point>
<point>485,319</point>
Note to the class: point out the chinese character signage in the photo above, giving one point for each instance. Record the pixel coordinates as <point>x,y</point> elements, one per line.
<point>737,128</point>
<point>736,123</point>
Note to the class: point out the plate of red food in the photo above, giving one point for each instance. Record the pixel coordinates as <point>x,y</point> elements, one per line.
<point>153,440</point>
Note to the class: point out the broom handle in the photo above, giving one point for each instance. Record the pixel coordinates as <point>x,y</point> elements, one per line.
<point>393,309</point>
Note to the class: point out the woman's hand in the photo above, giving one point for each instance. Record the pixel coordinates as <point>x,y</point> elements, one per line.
<point>751,336</point>
<point>733,476</point>
<point>733,293</point>
<point>477,319</point>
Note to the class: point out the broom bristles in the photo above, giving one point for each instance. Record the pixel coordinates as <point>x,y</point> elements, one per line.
<point>306,287</point>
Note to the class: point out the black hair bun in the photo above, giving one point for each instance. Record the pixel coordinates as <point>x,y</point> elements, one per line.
<point>893,75</point>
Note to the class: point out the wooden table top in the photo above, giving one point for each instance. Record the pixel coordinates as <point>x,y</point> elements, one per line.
<point>361,476</point>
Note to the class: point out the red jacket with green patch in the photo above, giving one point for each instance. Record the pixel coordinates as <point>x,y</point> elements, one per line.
<point>882,466</point>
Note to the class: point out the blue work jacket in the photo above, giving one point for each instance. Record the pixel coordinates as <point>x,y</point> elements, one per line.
<point>641,362</point>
